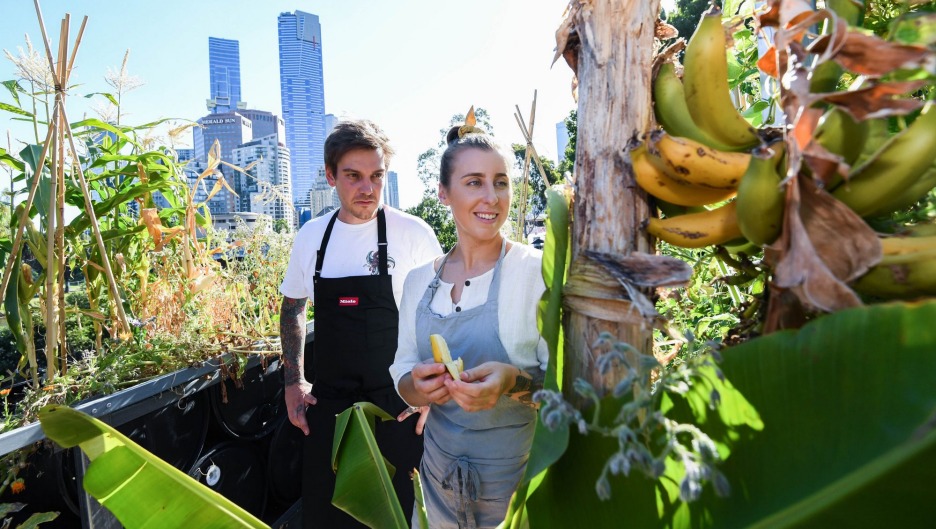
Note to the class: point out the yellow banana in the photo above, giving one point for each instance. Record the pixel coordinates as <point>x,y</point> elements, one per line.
<point>761,199</point>
<point>652,177</point>
<point>705,81</point>
<point>697,164</point>
<point>897,165</point>
<point>442,355</point>
<point>669,106</point>
<point>697,230</point>
<point>902,250</point>
<point>908,280</point>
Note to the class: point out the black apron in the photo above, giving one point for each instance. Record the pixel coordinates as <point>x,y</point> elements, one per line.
<point>356,327</point>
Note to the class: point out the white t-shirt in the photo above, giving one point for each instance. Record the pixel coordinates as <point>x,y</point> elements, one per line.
<point>352,251</point>
<point>521,287</point>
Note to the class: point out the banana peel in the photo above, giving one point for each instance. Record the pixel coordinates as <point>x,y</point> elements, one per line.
<point>442,355</point>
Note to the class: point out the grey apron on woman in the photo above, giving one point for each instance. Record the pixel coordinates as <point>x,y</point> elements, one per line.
<point>472,461</point>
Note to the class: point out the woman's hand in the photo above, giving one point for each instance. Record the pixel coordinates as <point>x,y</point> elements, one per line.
<point>429,381</point>
<point>480,387</point>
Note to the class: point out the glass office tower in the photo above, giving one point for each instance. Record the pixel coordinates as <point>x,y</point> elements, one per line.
<point>303,96</point>
<point>224,66</point>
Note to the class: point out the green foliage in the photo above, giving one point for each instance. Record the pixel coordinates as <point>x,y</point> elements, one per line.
<point>537,183</point>
<point>567,165</point>
<point>439,218</point>
<point>686,16</point>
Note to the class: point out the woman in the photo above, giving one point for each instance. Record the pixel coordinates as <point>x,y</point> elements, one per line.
<point>481,297</point>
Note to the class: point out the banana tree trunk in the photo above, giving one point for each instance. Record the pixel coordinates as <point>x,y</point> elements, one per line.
<point>615,46</point>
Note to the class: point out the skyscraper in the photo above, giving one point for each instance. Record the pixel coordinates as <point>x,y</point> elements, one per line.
<point>224,66</point>
<point>303,95</point>
<point>391,190</point>
<point>266,184</point>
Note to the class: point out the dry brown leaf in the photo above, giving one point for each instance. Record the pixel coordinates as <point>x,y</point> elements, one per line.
<point>644,270</point>
<point>150,217</point>
<point>768,62</point>
<point>824,164</point>
<point>844,241</point>
<point>664,31</point>
<point>794,11</point>
<point>877,100</point>
<point>770,17</point>
<point>873,56</point>
<point>823,246</point>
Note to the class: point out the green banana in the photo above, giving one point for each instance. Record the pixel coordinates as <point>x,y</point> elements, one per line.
<point>705,81</point>
<point>851,10</point>
<point>910,195</point>
<point>669,106</point>
<point>908,280</point>
<point>896,166</point>
<point>669,209</point>
<point>841,134</point>
<point>761,199</point>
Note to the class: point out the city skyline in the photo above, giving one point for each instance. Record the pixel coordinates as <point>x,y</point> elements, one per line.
<point>405,65</point>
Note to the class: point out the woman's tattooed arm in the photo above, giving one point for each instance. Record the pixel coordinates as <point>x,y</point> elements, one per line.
<point>526,384</point>
<point>292,338</point>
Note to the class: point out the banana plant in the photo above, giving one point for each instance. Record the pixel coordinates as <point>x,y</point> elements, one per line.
<point>140,489</point>
<point>849,436</point>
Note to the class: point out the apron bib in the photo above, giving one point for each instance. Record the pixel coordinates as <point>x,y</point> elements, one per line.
<point>356,326</point>
<point>472,461</point>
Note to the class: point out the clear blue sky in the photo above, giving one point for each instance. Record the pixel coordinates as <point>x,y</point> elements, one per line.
<point>407,64</point>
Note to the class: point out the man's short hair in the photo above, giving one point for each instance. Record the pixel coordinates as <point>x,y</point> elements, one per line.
<point>358,134</point>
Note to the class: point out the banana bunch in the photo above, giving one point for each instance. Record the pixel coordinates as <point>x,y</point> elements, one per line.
<point>900,172</point>
<point>442,355</point>
<point>907,270</point>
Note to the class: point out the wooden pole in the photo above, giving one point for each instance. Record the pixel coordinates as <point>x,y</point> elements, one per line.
<point>614,105</point>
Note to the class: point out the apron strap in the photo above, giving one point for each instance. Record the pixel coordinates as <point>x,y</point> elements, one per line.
<point>320,257</point>
<point>463,479</point>
<point>381,243</point>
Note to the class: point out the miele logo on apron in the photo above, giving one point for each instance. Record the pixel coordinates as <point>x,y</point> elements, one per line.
<point>347,302</point>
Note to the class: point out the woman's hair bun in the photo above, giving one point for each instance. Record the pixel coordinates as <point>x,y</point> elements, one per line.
<point>452,135</point>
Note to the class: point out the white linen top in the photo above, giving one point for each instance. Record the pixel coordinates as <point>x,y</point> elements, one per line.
<point>521,287</point>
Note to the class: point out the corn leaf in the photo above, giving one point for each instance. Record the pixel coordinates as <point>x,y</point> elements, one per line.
<point>140,489</point>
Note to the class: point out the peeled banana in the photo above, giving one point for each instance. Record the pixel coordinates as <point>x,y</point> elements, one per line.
<point>698,164</point>
<point>705,81</point>
<point>442,355</point>
<point>897,165</point>
<point>652,176</point>
<point>698,230</point>
<point>760,199</point>
<point>669,106</point>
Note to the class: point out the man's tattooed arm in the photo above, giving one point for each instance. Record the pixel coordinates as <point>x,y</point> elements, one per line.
<point>526,384</point>
<point>292,338</point>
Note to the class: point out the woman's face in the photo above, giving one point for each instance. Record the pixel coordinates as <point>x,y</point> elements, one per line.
<point>479,194</point>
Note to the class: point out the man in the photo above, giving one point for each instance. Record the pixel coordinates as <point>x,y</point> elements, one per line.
<point>351,265</point>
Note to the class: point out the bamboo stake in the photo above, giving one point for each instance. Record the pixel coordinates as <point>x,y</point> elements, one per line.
<point>60,198</point>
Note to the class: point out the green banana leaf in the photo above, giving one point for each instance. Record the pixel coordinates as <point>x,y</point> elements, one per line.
<point>140,489</point>
<point>362,476</point>
<point>849,411</point>
<point>849,404</point>
<point>548,446</point>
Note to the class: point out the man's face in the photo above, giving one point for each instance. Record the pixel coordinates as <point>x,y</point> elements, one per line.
<point>359,182</point>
